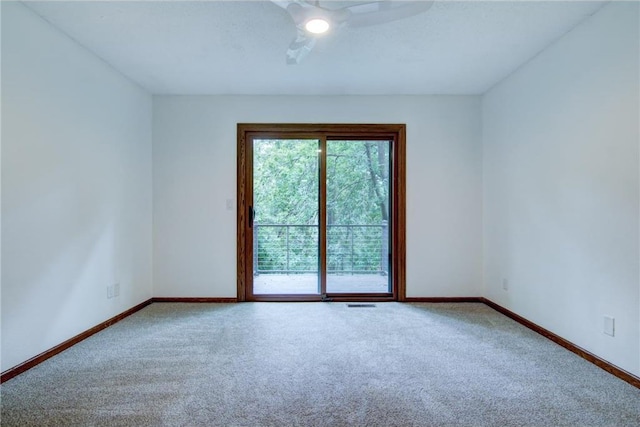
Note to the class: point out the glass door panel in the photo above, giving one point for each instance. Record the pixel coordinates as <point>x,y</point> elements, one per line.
<point>357,204</point>
<point>286,216</point>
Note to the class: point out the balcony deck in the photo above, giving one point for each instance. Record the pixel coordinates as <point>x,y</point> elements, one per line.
<point>266,284</point>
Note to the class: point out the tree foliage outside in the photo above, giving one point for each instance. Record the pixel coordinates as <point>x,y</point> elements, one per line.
<point>285,192</point>
<point>286,202</point>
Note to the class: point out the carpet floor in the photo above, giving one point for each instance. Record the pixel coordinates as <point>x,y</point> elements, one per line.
<point>317,364</point>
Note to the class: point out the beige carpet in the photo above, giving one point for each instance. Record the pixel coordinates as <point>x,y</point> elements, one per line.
<point>317,364</point>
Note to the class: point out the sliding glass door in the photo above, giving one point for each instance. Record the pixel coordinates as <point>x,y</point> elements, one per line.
<point>286,211</point>
<point>318,217</point>
<point>357,204</point>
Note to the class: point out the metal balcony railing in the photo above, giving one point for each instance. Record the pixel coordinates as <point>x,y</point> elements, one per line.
<point>293,249</point>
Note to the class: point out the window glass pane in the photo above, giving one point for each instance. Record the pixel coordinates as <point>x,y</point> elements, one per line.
<point>358,217</point>
<point>285,227</point>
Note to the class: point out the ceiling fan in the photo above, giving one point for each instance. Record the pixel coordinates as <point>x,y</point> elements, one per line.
<point>315,17</point>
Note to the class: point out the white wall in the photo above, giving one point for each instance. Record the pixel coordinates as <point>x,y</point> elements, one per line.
<point>76,188</point>
<point>0,185</point>
<point>194,157</point>
<point>561,187</point>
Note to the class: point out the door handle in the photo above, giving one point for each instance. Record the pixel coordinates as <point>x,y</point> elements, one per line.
<point>252,215</point>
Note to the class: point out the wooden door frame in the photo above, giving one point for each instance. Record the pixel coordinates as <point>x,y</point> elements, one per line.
<point>392,132</point>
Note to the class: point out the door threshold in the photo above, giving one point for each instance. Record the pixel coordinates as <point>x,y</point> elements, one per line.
<point>321,298</point>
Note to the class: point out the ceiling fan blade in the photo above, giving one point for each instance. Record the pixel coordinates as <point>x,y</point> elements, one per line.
<point>297,9</point>
<point>300,47</point>
<point>380,12</point>
<point>283,3</point>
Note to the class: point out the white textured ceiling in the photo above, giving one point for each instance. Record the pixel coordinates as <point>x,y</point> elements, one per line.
<point>238,47</point>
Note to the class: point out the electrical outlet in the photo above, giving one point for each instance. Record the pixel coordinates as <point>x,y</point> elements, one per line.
<point>609,326</point>
<point>116,290</point>
<point>109,292</point>
<point>229,204</point>
<point>505,284</point>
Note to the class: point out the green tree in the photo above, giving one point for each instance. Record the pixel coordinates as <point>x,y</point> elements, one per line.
<point>286,191</point>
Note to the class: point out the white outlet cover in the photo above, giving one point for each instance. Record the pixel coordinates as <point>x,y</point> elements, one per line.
<point>609,326</point>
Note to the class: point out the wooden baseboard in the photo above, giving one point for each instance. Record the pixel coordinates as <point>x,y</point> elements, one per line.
<point>442,299</point>
<point>194,299</point>
<point>590,357</point>
<point>36,360</point>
